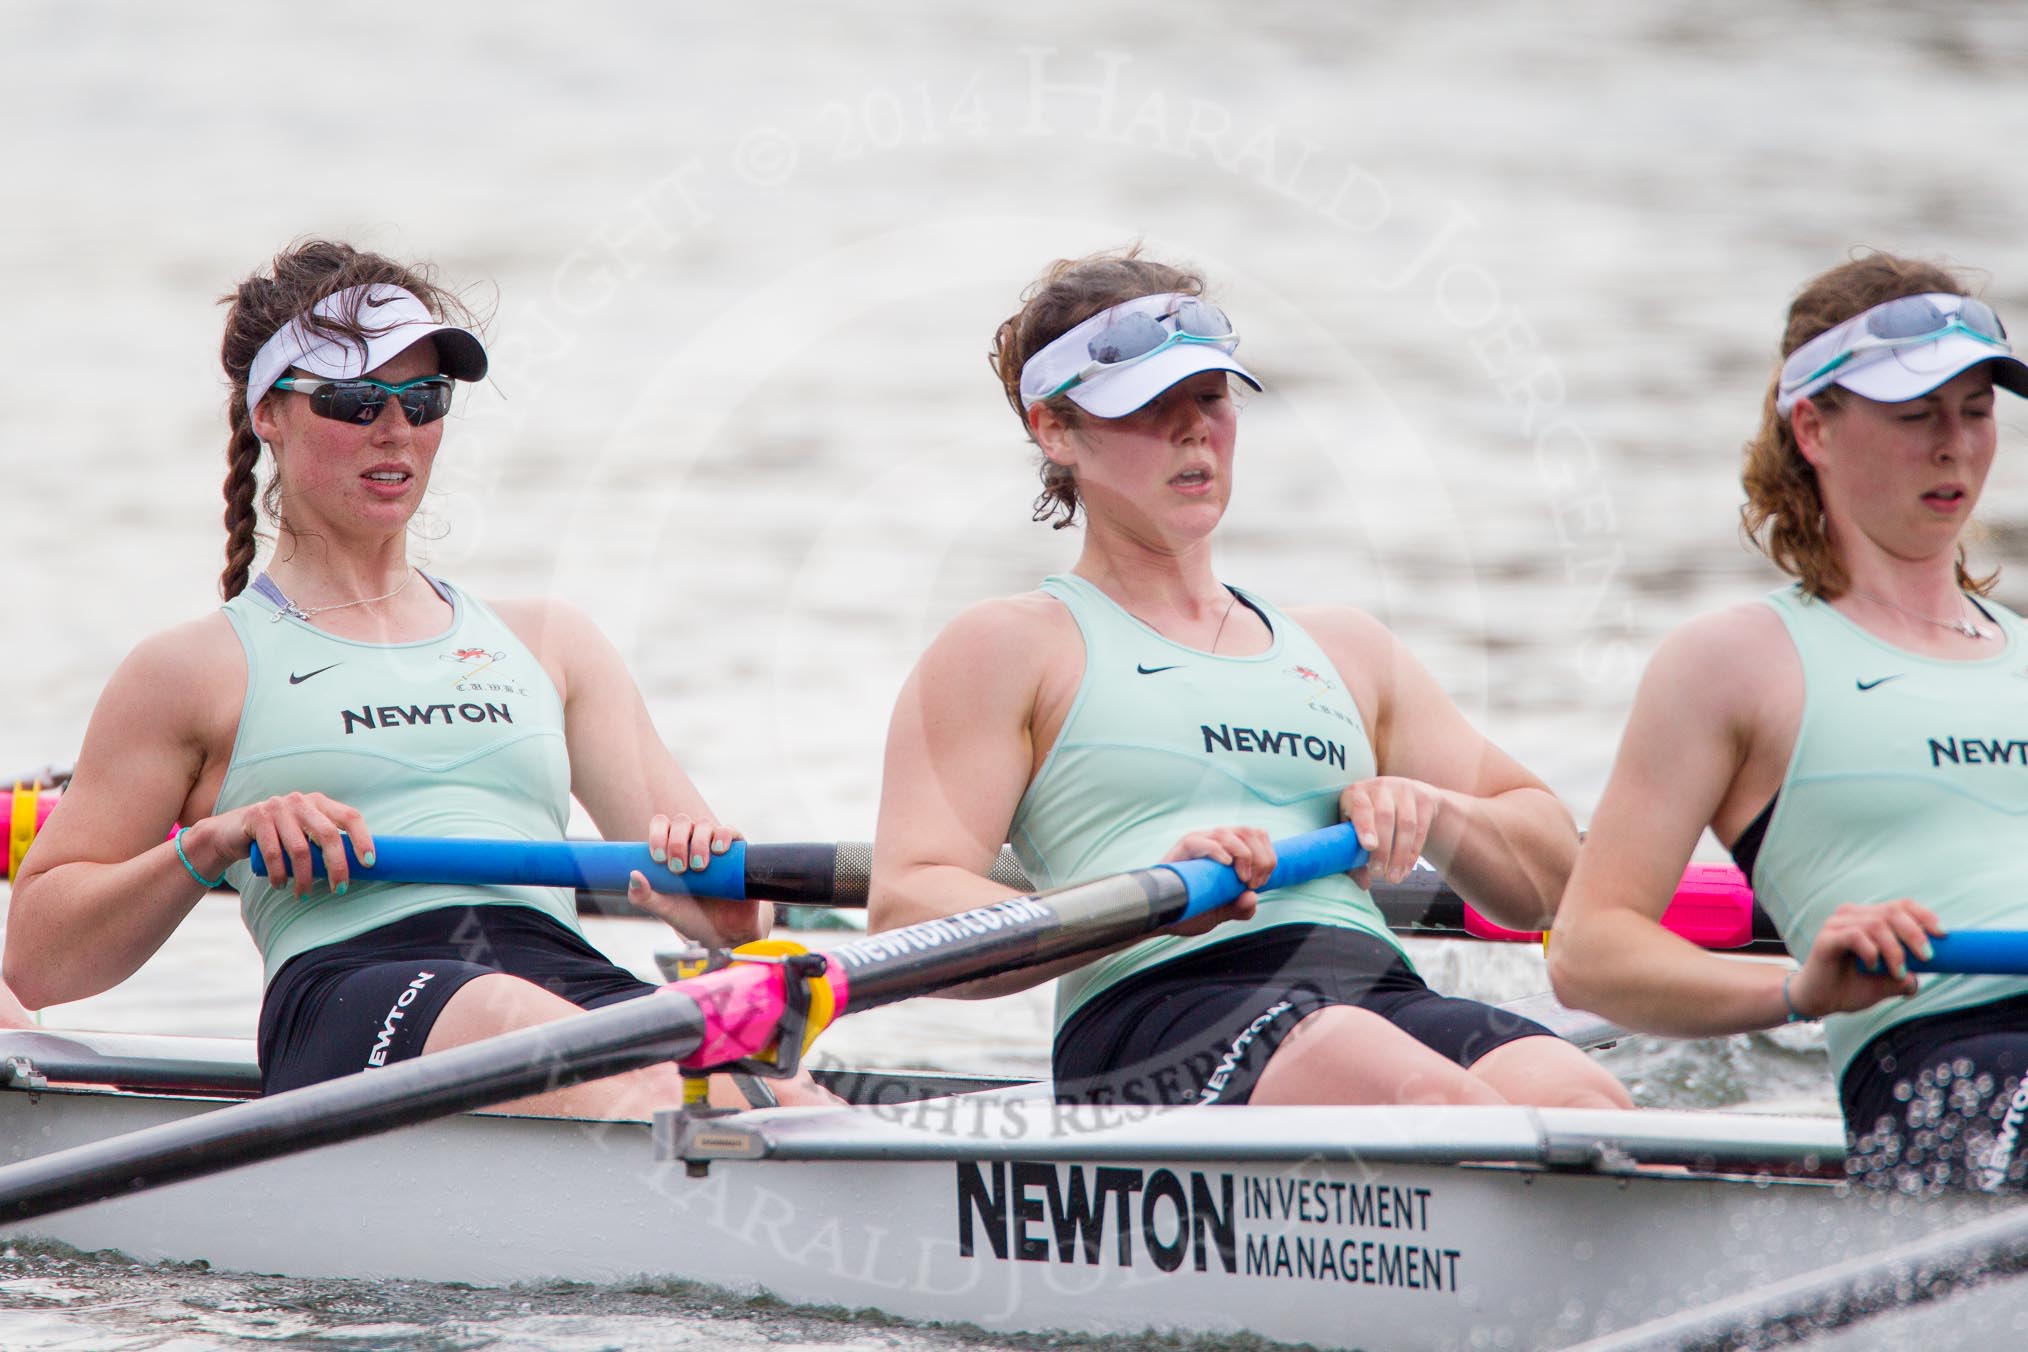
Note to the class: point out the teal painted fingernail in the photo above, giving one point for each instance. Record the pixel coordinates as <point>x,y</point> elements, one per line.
<point>367,859</point>
<point>658,854</point>
<point>697,861</point>
<point>1927,952</point>
<point>340,889</point>
<point>718,847</point>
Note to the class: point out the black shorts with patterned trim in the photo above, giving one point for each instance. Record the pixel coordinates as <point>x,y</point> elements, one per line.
<point>1201,1028</point>
<point>371,1000</point>
<point>1942,1102</point>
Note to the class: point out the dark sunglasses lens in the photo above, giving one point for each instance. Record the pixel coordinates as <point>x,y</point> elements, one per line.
<point>426,403</point>
<point>1909,317</point>
<point>348,401</point>
<point>1128,337</point>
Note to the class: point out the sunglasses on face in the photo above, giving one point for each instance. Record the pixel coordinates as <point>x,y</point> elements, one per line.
<point>359,401</point>
<point>1130,338</point>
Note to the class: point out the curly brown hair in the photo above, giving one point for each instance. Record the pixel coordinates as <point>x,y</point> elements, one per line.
<point>1070,291</point>
<point>1783,515</point>
<point>299,277</point>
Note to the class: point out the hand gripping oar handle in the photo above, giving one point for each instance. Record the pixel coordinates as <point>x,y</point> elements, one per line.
<point>808,874</point>
<point>1298,859</point>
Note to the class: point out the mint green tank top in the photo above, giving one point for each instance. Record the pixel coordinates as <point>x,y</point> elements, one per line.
<point>1162,740</point>
<point>1909,779</point>
<point>457,735</point>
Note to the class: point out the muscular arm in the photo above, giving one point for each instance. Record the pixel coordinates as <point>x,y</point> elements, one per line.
<point>620,768</point>
<point>101,889</point>
<point>1498,835</point>
<point>1695,727</point>
<point>960,751</point>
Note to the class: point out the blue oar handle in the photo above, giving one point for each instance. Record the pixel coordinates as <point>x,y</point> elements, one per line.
<point>598,865</point>
<point>1984,952</point>
<point>1299,859</point>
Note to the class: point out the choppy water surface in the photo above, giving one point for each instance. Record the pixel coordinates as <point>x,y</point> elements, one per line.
<point>1513,274</point>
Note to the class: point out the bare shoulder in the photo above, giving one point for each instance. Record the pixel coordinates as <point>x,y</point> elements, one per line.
<point>580,661</point>
<point>1343,627</point>
<point>1377,666</point>
<point>544,621</point>
<point>1007,632</point>
<point>1730,656</point>
<point>192,654</point>
<point>184,684</point>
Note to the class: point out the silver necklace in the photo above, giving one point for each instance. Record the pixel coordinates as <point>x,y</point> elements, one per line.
<point>291,608</point>
<point>1220,633</point>
<point>1221,621</point>
<point>1959,625</point>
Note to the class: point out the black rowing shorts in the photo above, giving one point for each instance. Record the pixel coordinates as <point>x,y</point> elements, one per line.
<point>1200,1029</point>
<point>371,1000</point>
<point>1941,1102</point>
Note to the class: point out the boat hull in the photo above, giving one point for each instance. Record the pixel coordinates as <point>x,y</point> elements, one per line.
<point>1362,1228</point>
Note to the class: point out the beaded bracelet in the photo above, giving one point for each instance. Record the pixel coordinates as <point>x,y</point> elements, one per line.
<point>1795,1015</point>
<point>191,868</point>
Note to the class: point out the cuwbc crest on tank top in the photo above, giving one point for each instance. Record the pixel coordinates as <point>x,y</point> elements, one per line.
<point>1162,739</point>
<point>1909,778</point>
<point>459,734</point>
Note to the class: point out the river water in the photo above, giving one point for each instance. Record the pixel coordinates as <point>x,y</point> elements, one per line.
<point>1512,274</point>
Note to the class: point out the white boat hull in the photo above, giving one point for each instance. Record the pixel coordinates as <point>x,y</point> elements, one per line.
<point>1371,1228</point>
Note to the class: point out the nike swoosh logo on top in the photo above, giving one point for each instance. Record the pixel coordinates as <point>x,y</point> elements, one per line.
<point>1150,671</point>
<point>298,680</point>
<point>1868,685</point>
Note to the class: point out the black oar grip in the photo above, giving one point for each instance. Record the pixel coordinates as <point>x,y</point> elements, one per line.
<point>1007,871</point>
<point>804,875</point>
<point>852,872</point>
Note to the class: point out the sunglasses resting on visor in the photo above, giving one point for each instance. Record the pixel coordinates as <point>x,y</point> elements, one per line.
<point>1904,323</point>
<point>359,401</point>
<point>1129,338</point>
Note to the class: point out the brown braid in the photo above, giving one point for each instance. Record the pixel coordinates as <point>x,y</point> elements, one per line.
<point>299,277</point>
<point>242,456</point>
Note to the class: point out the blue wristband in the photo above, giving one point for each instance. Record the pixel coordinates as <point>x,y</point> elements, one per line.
<point>191,868</point>
<point>1795,1015</point>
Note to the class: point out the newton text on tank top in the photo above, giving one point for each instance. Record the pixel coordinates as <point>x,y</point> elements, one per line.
<point>1161,740</point>
<point>460,734</point>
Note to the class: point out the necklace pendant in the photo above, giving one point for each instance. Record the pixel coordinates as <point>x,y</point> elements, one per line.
<point>1970,630</point>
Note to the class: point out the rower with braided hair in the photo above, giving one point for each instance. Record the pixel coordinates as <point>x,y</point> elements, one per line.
<point>341,692</point>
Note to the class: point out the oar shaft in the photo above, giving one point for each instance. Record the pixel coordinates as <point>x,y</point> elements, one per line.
<point>603,1042</point>
<point>1031,930</point>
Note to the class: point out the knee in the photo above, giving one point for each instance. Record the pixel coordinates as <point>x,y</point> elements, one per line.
<point>1550,1073</point>
<point>1613,1095</point>
<point>1585,1085</point>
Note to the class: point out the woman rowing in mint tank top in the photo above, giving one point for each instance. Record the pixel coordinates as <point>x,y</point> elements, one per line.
<point>1835,735</point>
<point>343,692</point>
<point>1137,708</point>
